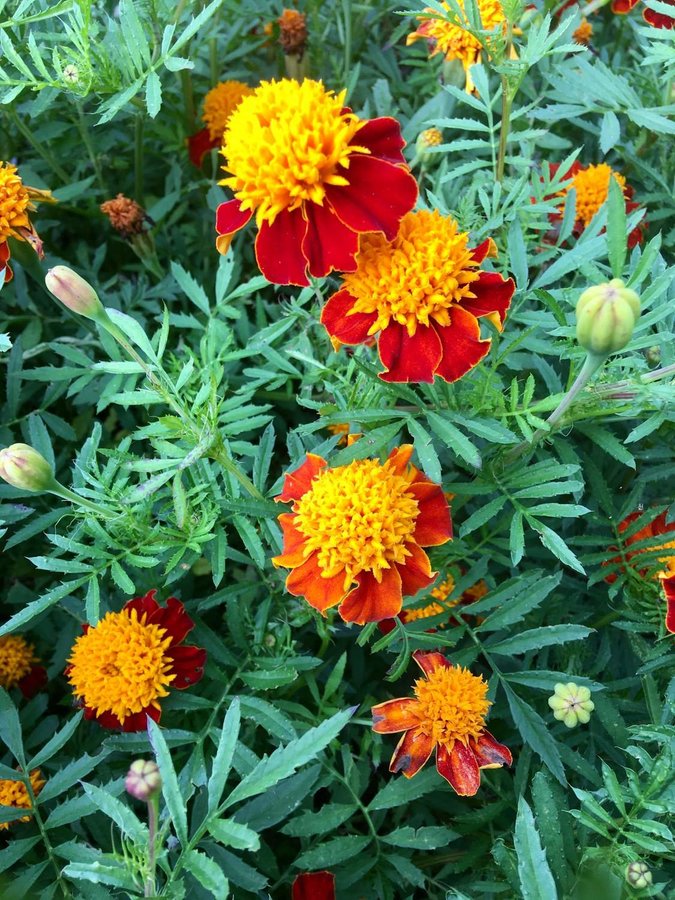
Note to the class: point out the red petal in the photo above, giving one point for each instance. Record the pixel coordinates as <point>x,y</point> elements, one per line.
<point>668,585</point>
<point>462,347</point>
<point>487,248</point>
<point>33,682</point>
<point>493,295</point>
<point>4,263</point>
<point>623,6</point>
<point>383,138</point>
<point>373,600</point>
<point>328,244</point>
<point>460,768</point>
<point>409,358</point>
<point>412,751</point>
<point>299,481</point>
<point>416,571</point>
<point>278,249</point>
<point>489,753</point>
<point>146,605</point>
<point>294,544</point>
<point>395,715</point>
<point>377,197</point>
<point>188,664</point>
<point>174,618</point>
<point>433,526</point>
<point>307,581</point>
<point>656,20</point>
<point>135,722</point>
<point>199,145</point>
<point>230,217</point>
<point>314,886</point>
<point>430,660</point>
<point>339,324</point>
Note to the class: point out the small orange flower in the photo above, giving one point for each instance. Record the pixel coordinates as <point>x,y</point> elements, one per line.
<point>440,604</point>
<point>126,216</point>
<point>293,32</point>
<point>448,714</point>
<point>15,793</point>
<point>219,104</point>
<point>583,33</point>
<point>16,202</point>
<point>356,532</point>
<point>668,586</point>
<point>18,666</point>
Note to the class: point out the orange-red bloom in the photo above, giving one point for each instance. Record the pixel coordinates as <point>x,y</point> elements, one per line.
<point>121,668</point>
<point>16,202</point>
<point>423,293</point>
<point>356,532</point>
<point>448,714</point>
<point>314,886</point>
<point>315,175</point>
<point>651,17</point>
<point>659,533</point>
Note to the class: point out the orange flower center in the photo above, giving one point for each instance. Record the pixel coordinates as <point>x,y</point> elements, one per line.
<point>219,104</point>
<point>592,187</point>
<point>14,793</point>
<point>452,705</point>
<point>121,666</point>
<point>417,277</point>
<point>16,660</point>
<point>14,200</point>
<point>358,518</point>
<point>285,143</point>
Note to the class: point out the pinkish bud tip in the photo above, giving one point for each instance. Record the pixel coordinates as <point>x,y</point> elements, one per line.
<point>143,779</point>
<point>74,292</point>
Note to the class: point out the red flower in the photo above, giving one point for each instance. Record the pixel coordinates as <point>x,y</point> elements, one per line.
<point>651,17</point>
<point>668,585</point>
<point>314,886</point>
<point>5,269</point>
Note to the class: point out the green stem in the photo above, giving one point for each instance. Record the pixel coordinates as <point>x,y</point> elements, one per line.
<point>138,159</point>
<point>45,840</point>
<point>219,454</point>
<point>507,102</point>
<point>153,815</point>
<point>60,491</point>
<point>39,148</point>
<point>86,140</point>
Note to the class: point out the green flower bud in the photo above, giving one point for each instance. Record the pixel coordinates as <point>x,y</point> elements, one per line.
<point>25,468</point>
<point>74,292</point>
<point>638,874</point>
<point>427,139</point>
<point>571,704</point>
<point>606,316</point>
<point>143,780</point>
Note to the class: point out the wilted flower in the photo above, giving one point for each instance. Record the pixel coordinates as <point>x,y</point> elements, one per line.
<point>126,216</point>
<point>571,704</point>
<point>364,524</point>
<point>18,665</point>
<point>293,32</point>
<point>583,33</point>
<point>74,292</point>
<point>606,316</point>
<point>315,175</point>
<point>638,875</point>
<point>447,713</point>
<point>16,202</point>
<point>314,886</point>
<point>122,667</point>
<point>423,293</point>
<point>15,793</point>
<point>25,468</point>
<point>143,780</point>
<point>651,16</point>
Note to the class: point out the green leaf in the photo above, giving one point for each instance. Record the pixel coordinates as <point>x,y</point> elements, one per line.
<point>535,733</point>
<point>170,790</point>
<point>29,612</point>
<point>536,880</point>
<point>208,873</point>
<point>551,824</point>
<point>424,447</point>
<point>332,852</point>
<point>536,638</point>
<point>10,728</point>
<point>121,814</point>
<point>453,438</point>
<point>223,758</point>
<point>557,546</point>
<point>533,592</point>
<point>327,819</point>
<point>56,742</point>
<point>234,834</point>
<point>401,791</point>
<point>429,837</point>
<point>516,538</point>
<point>191,288</point>
<point>269,680</point>
<point>610,132</point>
<point>617,234</point>
<point>482,515</point>
<point>153,94</point>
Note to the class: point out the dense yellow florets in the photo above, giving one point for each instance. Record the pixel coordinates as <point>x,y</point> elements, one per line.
<point>592,187</point>
<point>453,705</point>
<point>219,104</point>
<point>14,201</point>
<point>16,660</point>
<point>455,42</point>
<point>14,793</point>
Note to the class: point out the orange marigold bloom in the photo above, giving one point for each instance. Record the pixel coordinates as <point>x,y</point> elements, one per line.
<point>315,175</point>
<point>18,665</point>
<point>293,32</point>
<point>122,667</point>
<point>651,17</point>
<point>16,202</point>
<point>15,793</point>
<point>423,293</point>
<point>219,104</point>
<point>657,532</point>
<point>583,33</point>
<point>126,216</point>
<point>356,532</point>
<point>447,713</point>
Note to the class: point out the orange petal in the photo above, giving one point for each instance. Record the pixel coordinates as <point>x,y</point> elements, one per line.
<point>462,345</point>
<point>373,600</point>
<point>668,584</point>
<point>294,543</point>
<point>400,458</point>
<point>430,660</point>
<point>395,715</point>
<point>416,571</point>
<point>321,593</point>
<point>412,751</point>
<point>459,767</point>
<point>433,525</point>
<point>489,753</point>
<point>298,482</point>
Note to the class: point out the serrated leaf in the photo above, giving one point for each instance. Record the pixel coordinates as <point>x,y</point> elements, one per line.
<point>208,873</point>
<point>121,814</point>
<point>332,852</point>
<point>55,743</point>
<point>454,439</point>
<point>536,880</point>
<point>10,728</point>
<point>535,734</point>
<point>224,753</point>
<point>153,94</point>
<point>234,834</point>
<point>170,790</point>
<point>536,638</point>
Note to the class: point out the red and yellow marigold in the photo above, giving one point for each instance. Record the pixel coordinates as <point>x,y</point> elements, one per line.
<point>656,534</point>
<point>668,587</point>
<point>17,200</point>
<point>19,665</point>
<point>356,532</point>
<point>121,668</point>
<point>423,294</point>
<point>447,714</point>
<point>315,176</point>
<point>15,793</point>
<point>651,16</point>
<point>219,104</point>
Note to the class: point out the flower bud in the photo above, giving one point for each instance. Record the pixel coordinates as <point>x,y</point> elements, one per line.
<point>431,137</point>
<point>606,316</point>
<point>638,874</point>
<point>25,468</point>
<point>143,780</point>
<point>571,704</point>
<point>74,292</point>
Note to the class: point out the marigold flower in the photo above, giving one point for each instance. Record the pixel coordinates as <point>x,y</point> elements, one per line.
<point>364,524</point>
<point>654,531</point>
<point>293,32</point>
<point>15,793</point>
<point>668,585</point>
<point>440,604</point>
<point>16,202</point>
<point>122,667</point>
<point>219,104</point>
<point>583,33</point>
<point>18,665</point>
<point>447,713</point>
<point>315,175</point>
<point>314,886</point>
<point>126,216</point>
<point>651,17</point>
<point>342,429</point>
<point>571,704</point>
<point>424,293</point>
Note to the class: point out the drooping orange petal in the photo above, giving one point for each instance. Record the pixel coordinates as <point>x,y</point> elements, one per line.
<point>294,544</point>
<point>278,249</point>
<point>395,715</point>
<point>461,344</point>
<point>299,481</point>
<point>307,581</point>
<point>371,600</point>
<point>400,458</point>
<point>430,660</point>
<point>328,244</point>
<point>433,525</point>
<point>416,571</point>
<point>668,584</point>
<point>489,753</point>
<point>493,295</point>
<point>411,752</point>
<point>459,767</point>
<point>230,217</point>
<point>339,324</point>
<point>409,359</point>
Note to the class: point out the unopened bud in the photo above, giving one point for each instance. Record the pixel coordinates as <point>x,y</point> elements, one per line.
<point>571,704</point>
<point>606,317</point>
<point>25,468</point>
<point>143,780</point>
<point>74,292</point>
<point>638,874</point>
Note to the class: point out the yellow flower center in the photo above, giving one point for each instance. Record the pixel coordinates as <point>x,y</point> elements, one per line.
<point>432,137</point>
<point>457,43</point>
<point>120,665</point>
<point>592,186</point>
<point>453,705</point>
<point>284,144</point>
<point>16,660</point>
<point>359,518</point>
<point>415,278</point>
<point>219,104</point>
<point>14,793</point>
<point>13,202</point>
